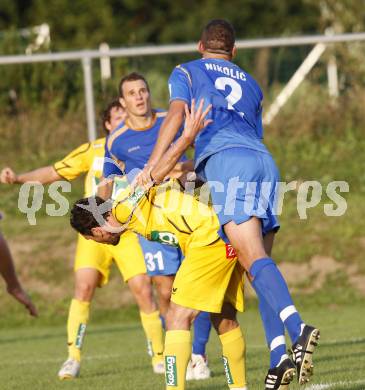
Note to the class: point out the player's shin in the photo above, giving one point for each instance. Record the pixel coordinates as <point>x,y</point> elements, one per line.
<point>177,354</point>
<point>78,318</point>
<point>152,326</point>
<point>274,332</point>
<point>233,355</point>
<point>271,287</point>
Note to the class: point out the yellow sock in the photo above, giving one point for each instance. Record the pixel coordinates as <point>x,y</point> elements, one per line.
<point>234,350</point>
<point>78,318</point>
<point>152,326</point>
<point>177,355</point>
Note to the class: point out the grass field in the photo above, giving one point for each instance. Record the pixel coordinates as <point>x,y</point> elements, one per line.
<point>115,357</point>
<point>322,259</point>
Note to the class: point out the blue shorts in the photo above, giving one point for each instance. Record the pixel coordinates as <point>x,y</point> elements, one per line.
<point>243,183</point>
<point>160,259</point>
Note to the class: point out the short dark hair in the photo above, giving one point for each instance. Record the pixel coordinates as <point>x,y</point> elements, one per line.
<point>106,114</point>
<point>134,76</point>
<point>218,36</point>
<point>83,213</point>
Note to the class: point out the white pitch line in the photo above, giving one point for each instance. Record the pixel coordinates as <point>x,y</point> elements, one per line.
<point>328,342</point>
<point>324,386</point>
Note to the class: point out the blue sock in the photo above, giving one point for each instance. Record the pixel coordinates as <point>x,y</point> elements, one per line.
<point>274,332</point>
<point>270,286</point>
<point>202,326</point>
<point>163,322</point>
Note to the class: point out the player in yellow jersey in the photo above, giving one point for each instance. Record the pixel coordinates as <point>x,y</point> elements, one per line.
<point>210,277</point>
<point>93,261</point>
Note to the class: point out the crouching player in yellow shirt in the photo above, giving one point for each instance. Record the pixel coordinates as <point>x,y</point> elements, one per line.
<point>92,260</point>
<point>209,279</point>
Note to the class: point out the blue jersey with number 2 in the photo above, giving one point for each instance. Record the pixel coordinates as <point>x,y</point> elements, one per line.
<point>236,104</point>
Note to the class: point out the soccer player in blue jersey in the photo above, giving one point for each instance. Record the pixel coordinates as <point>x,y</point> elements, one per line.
<point>230,152</point>
<point>132,143</point>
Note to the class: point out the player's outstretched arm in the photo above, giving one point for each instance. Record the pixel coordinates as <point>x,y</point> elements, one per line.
<point>194,123</point>
<point>43,175</point>
<point>182,168</point>
<point>13,285</point>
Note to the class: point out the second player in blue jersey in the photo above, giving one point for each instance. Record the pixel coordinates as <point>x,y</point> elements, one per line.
<point>128,148</point>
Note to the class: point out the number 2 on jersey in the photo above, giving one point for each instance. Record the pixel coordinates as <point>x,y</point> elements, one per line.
<point>236,91</point>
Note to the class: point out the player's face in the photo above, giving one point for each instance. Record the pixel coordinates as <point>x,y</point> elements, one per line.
<point>104,237</point>
<point>136,98</point>
<point>117,115</point>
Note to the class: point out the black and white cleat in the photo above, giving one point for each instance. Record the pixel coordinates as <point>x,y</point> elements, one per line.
<point>302,353</point>
<point>279,378</point>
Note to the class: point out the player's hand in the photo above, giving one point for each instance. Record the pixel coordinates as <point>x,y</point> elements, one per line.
<point>143,179</point>
<point>8,176</point>
<point>195,120</point>
<point>21,296</point>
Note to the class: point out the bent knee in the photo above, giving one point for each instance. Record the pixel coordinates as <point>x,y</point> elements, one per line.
<point>84,291</point>
<point>179,317</point>
<point>165,294</point>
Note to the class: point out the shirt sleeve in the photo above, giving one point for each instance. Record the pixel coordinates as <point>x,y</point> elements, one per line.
<point>111,166</point>
<point>180,85</point>
<point>75,163</point>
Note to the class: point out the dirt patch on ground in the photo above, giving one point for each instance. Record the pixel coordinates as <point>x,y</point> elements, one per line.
<point>309,277</point>
<point>46,268</point>
<point>362,242</point>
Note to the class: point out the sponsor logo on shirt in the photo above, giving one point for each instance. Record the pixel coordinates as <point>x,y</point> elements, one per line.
<point>136,196</point>
<point>164,238</point>
<point>230,252</point>
<point>133,149</point>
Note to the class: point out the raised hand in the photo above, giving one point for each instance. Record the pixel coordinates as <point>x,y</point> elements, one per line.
<point>195,120</point>
<point>8,176</point>
<point>143,179</point>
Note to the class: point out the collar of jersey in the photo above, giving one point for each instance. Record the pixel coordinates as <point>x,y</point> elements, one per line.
<point>154,118</point>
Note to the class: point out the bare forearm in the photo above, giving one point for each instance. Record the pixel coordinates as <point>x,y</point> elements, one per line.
<point>7,269</point>
<point>181,169</point>
<point>169,159</point>
<point>168,131</point>
<point>43,175</point>
<point>105,189</point>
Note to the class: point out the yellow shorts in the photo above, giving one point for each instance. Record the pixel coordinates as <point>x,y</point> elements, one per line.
<point>128,256</point>
<point>209,276</point>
